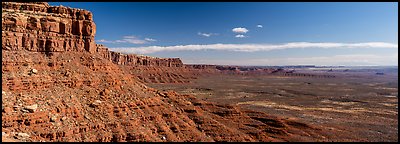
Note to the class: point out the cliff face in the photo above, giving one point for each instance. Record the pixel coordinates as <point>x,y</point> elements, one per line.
<point>39,27</point>
<point>137,60</point>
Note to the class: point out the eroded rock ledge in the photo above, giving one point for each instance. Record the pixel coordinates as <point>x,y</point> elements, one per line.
<point>135,60</point>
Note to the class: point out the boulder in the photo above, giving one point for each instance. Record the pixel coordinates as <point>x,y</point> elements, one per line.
<point>96,103</point>
<point>7,110</point>
<point>105,92</point>
<point>22,135</point>
<point>31,108</point>
<point>34,71</point>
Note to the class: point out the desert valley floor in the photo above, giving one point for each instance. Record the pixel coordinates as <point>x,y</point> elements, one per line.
<point>353,106</point>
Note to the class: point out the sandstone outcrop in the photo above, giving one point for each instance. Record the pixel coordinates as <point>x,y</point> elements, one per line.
<point>39,27</point>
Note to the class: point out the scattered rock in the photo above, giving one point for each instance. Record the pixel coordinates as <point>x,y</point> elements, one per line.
<point>63,118</point>
<point>7,110</point>
<point>16,107</point>
<point>24,110</point>
<point>105,92</point>
<point>7,48</point>
<point>67,74</point>
<point>87,117</point>
<point>96,103</point>
<point>22,135</point>
<point>31,108</point>
<point>33,71</point>
<point>53,119</point>
<point>163,138</point>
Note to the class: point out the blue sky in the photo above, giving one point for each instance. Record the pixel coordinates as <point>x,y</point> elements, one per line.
<point>262,33</point>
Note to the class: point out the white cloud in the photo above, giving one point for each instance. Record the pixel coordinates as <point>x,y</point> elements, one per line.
<point>133,40</point>
<point>129,39</point>
<point>150,39</point>
<point>206,34</point>
<point>252,47</point>
<point>240,30</point>
<point>119,41</point>
<point>353,59</point>
<point>345,60</point>
<point>104,41</point>
<point>240,36</point>
<point>259,26</point>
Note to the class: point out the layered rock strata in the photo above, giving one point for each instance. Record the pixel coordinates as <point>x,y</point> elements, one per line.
<point>39,27</point>
<point>137,60</point>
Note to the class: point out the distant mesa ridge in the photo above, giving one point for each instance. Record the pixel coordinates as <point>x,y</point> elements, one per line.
<point>133,59</point>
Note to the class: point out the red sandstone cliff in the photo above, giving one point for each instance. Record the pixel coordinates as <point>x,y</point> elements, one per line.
<point>39,27</point>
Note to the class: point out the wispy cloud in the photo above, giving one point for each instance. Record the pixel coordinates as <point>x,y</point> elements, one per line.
<point>252,47</point>
<point>129,39</point>
<point>240,30</point>
<point>240,36</point>
<point>133,40</point>
<point>104,41</point>
<point>351,59</point>
<point>347,60</point>
<point>206,34</point>
<point>150,39</point>
<point>259,26</point>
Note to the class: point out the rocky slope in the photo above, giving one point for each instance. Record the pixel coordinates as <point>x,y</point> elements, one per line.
<point>57,85</point>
